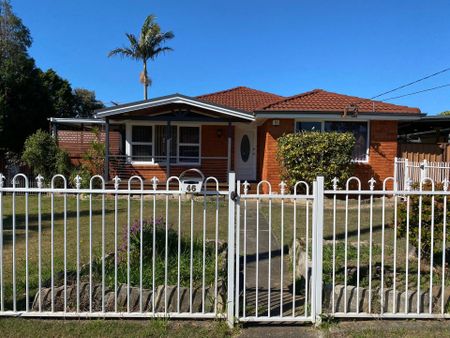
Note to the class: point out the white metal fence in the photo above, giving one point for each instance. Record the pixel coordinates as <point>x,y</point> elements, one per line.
<point>411,172</point>
<point>289,255</point>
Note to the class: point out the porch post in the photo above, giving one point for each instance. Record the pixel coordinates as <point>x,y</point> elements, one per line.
<point>106,164</point>
<point>54,128</point>
<point>229,148</point>
<point>168,141</point>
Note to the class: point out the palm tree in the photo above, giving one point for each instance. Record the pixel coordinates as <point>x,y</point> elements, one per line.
<point>149,45</point>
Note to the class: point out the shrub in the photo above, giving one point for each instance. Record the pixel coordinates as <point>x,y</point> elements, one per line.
<point>304,156</point>
<point>426,221</point>
<point>94,157</point>
<point>43,156</point>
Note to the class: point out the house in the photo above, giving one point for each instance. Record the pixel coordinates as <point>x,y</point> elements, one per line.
<point>234,129</point>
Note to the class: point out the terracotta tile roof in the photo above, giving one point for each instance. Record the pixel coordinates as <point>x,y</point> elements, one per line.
<point>241,98</point>
<point>319,100</point>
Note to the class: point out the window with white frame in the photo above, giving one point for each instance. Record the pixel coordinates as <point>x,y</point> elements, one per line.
<point>359,129</point>
<point>142,143</point>
<point>149,144</point>
<point>189,144</point>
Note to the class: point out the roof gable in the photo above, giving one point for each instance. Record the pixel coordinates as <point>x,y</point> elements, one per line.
<point>242,98</point>
<point>170,100</point>
<point>319,100</point>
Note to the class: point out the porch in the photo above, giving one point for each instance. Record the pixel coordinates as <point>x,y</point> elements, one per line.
<point>164,137</point>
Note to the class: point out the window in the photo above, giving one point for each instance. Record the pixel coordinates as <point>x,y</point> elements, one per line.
<point>141,143</point>
<point>358,128</point>
<point>149,144</point>
<point>308,126</point>
<point>189,145</point>
<point>161,145</point>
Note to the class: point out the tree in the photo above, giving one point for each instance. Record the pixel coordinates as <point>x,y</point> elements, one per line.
<point>148,46</point>
<point>445,113</point>
<point>21,92</point>
<point>14,36</point>
<point>28,95</point>
<point>85,103</point>
<point>60,98</point>
<point>42,154</point>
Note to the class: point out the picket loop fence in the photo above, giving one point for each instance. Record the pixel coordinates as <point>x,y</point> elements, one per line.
<point>268,254</point>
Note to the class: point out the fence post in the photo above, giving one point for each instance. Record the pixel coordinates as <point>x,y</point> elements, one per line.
<point>423,170</point>
<point>317,250</point>
<point>405,175</point>
<point>231,249</point>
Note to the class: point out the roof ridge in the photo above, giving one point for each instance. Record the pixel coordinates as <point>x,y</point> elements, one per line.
<point>220,91</point>
<point>236,88</point>
<point>361,100</point>
<point>286,99</point>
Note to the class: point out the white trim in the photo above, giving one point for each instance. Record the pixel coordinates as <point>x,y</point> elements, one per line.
<point>129,143</point>
<point>319,116</point>
<point>70,120</point>
<point>322,124</point>
<point>175,99</point>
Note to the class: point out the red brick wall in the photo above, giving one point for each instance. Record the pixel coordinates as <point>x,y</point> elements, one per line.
<point>269,168</point>
<point>382,152</point>
<point>76,143</point>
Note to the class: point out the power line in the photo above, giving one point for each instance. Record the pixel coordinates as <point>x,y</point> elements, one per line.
<point>417,92</point>
<point>411,83</point>
<point>401,87</point>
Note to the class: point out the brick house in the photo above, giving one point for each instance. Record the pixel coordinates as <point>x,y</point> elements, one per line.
<point>232,130</point>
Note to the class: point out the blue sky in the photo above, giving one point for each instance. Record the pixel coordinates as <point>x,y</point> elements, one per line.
<point>358,48</point>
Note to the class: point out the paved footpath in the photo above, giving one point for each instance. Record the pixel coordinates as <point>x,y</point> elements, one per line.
<point>261,280</point>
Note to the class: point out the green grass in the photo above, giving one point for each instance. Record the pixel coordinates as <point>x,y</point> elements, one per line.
<point>200,269</point>
<point>36,328</point>
<point>185,226</point>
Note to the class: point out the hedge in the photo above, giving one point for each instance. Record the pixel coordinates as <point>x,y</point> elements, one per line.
<point>306,155</point>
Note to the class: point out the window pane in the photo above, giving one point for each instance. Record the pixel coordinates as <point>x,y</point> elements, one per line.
<point>359,130</point>
<point>189,154</point>
<point>141,152</point>
<point>160,144</point>
<point>308,126</point>
<point>141,134</point>
<point>189,135</point>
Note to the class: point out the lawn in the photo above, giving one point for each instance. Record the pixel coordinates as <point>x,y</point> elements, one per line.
<point>395,258</point>
<point>13,327</point>
<point>151,207</point>
<point>157,208</point>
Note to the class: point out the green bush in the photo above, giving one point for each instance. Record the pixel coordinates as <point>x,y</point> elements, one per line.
<point>425,224</point>
<point>304,156</point>
<point>94,157</point>
<point>44,157</point>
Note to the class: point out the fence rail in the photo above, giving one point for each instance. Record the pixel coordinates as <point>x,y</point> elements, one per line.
<point>289,255</point>
<point>408,172</point>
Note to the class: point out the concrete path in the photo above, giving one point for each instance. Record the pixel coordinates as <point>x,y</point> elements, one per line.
<point>269,262</point>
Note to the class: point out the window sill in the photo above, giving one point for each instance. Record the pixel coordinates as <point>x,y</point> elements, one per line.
<point>366,161</point>
<point>163,164</point>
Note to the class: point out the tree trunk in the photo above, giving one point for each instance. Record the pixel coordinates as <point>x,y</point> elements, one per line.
<point>145,81</point>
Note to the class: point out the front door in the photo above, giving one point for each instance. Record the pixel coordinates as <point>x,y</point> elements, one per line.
<point>245,152</point>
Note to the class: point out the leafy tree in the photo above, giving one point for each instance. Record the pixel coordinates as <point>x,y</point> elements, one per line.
<point>28,95</point>
<point>148,46</point>
<point>445,113</point>
<point>59,94</point>
<point>42,154</point>
<point>15,38</point>
<point>85,103</point>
